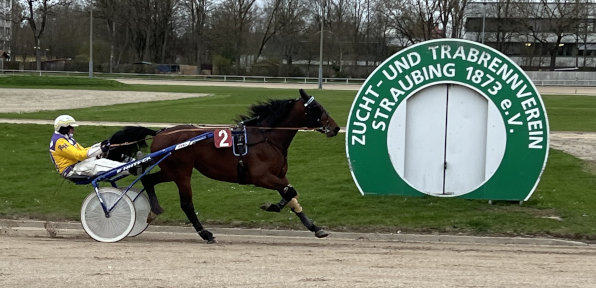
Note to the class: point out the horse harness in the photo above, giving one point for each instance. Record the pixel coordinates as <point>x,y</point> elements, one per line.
<point>239,135</point>
<point>240,141</point>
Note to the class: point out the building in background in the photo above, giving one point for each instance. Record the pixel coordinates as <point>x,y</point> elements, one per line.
<point>5,25</point>
<point>557,35</point>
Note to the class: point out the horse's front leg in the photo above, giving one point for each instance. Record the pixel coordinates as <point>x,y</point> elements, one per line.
<point>185,191</point>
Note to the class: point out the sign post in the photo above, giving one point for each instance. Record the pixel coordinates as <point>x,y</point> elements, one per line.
<point>448,118</point>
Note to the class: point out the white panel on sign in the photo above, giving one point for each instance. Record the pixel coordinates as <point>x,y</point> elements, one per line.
<point>396,139</point>
<point>466,140</point>
<point>425,139</point>
<point>496,140</point>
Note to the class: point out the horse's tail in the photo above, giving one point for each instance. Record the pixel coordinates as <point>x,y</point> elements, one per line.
<point>135,135</point>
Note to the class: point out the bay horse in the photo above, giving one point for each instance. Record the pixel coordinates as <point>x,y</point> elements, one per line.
<point>270,129</point>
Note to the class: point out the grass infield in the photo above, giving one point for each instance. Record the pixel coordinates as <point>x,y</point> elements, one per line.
<point>561,206</point>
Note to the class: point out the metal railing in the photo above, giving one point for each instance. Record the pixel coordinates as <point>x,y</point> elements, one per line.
<point>579,83</point>
<point>257,79</point>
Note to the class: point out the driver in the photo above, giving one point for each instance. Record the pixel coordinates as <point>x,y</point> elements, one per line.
<point>70,158</point>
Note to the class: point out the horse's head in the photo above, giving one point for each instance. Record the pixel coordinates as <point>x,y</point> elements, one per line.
<point>317,117</point>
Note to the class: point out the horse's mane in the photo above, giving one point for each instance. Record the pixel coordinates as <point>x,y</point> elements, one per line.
<point>270,111</point>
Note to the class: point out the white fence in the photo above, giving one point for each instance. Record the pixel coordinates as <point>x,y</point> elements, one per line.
<point>562,78</point>
<point>540,78</point>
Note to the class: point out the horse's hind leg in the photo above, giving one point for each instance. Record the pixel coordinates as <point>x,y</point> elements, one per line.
<point>149,181</point>
<point>286,193</point>
<point>297,209</point>
<point>185,191</point>
<point>289,197</point>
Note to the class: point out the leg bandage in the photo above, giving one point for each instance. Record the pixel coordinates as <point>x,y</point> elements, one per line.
<point>289,193</point>
<point>307,222</point>
<point>295,205</point>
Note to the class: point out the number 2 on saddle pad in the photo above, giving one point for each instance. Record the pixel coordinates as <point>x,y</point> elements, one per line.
<point>222,138</point>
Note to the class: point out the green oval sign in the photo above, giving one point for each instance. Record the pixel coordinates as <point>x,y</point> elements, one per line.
<point>448,118</point>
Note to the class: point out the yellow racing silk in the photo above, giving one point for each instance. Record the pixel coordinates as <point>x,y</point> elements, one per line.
<point>65,152</point>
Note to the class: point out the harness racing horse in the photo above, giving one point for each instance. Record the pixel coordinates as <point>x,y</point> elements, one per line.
<point>270,128</point>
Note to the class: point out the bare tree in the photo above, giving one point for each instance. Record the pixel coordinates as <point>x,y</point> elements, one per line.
<point>290,26</point>
<point>586,29</point>
<point>162,21</point>
<point>271,24</point>
<point>551,21</point>
<point>413,20</point>
<point>112,12</point>
<point>237,16</point>
<point>340,32</point>
<point>507,23</point>
<point>451,14</point>
<point>35,15</point>
<point>198,11</point>
<point>138,23</point>
<point>64,43</point>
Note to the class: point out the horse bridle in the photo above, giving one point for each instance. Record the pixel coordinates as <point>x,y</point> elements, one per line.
<point>308,105</point>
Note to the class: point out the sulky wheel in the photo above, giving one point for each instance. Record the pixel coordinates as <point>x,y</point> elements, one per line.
<point>142,207</point>
<point>121,219</point>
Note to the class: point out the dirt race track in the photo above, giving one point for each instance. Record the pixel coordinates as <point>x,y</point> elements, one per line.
<point>175,260</point>
<point>183,260</point>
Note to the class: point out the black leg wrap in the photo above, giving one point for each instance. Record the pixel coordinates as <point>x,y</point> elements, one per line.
<point>312,227</point>
<point>274,207</point>
<point>206,235</point>
<point>282,203</point>
<point>271,207</point>
<point>289,193</point>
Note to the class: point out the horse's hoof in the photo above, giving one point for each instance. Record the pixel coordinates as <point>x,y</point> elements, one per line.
<point>152,216</point>
<point>321,234</point>
<point>208,236</point>
<point>270,207</point>
<point>157,210</point>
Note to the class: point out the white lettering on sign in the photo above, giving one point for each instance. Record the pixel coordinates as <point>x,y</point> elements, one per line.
<point>481,109</point>
<point>379,109</point>
<point>495,72</point>
<point>485,70</point>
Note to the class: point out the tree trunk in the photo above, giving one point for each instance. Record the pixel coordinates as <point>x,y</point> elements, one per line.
<point>237,56</point>
<point>124,47</point>
<point>163,47</point>
<point>113,34</point>
<point>199,58</point>
<point>553,58</point>
<point>553,54</point>
<point>37,53</point>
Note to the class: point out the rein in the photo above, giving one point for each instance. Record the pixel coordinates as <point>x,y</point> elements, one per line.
<point>206,126</point>
<point>202,127</point>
